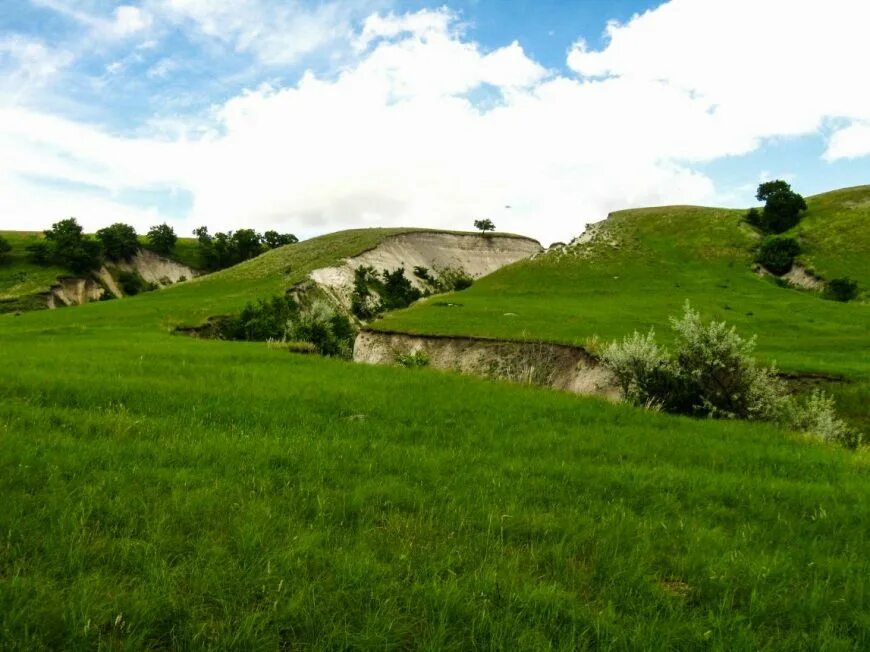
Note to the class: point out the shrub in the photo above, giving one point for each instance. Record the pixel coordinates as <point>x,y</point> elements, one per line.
<point>712,372</point>
<point>319,323</point>
<point>119,241</point>
<point>817,415</point>
<point>132,284</point>
<point>415,360</point>
<point>162,239</point>
<point>777,253</point>
<point>753,217</point>
<point>841,289</point>
<point>5,247</point>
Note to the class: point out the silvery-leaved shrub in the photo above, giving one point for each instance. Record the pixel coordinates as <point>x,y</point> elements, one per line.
<point>711,372</point>
<point>817,416</point>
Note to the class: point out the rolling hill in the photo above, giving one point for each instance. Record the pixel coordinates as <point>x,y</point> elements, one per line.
<point>162,491</point>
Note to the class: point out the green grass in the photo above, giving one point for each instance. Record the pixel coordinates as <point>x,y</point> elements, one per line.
<point>665,257</point>
<point>162,491</point>
<point>165,492</point>
<point>19,278</point>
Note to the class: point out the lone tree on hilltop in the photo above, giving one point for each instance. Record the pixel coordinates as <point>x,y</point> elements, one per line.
<point>782,208</point>
<point>484,225</point>
<point>162,239</point>
<point>273,239</point>
<point>120,241</point>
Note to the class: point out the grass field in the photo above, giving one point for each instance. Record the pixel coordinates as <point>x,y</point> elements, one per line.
<point>164,491</point>
<point>161,491</point>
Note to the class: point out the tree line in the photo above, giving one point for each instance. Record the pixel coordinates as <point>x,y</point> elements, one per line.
<point>67,245</point>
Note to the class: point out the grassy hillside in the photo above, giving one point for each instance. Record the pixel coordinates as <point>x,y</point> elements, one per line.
<point>165,492</point>
<point>21,279</point>
<point>652,260</point>
<point>22,282</point>
<point>161,491</point>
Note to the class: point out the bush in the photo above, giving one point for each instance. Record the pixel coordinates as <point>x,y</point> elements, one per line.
<point>132,284</point>
<point>712,372</point>
<point>162,239</point>
<point>841,289</point>
<point>777,253</point>
<point>753,217</point>
<point>5,248</point>
<point>818,416</point>
<point>415,360</point>
<point>283,319</point>
<point>39,253</point>
<point>119,241</point>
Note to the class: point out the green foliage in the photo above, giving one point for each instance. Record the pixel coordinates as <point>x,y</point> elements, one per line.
<point>817,415</point>
<point>67,246</point>
<point>782,209</point>
<point>841,289</point>
<point>162,239</point>
<point>375,293</point>
<point>484,225</point>
<point>711,373</point>
<point>132,283</point>
<point>273,239</point>
<point>415,360</point>
<point>5,248</point>
<point>223,250</point>
<point>753,217</point>
<point>120,241</point>
<point>283,319</point>
<point>777,253</point>
<point>39,253</point>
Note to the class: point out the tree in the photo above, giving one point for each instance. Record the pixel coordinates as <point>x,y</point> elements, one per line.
<point>782,208</point>
<point>484,225</point>
<point>5,247</point>
<point>162,239</point>
<point>273,239</point>
<point>69,247</point>
<point>245,244</point>
<point>120,241</point>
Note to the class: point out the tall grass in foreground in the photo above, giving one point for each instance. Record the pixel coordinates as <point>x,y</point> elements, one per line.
<point>164,492</point>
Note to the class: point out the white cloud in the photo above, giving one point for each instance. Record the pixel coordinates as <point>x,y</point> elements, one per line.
<point>29,60</point>
<point>276,33</point>
<point>398,138</point>
<point>849,142</point>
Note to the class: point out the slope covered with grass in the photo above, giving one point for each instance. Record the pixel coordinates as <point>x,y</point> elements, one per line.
<point>22,283</point>
<point>646,263</point>
<point>161,491</point>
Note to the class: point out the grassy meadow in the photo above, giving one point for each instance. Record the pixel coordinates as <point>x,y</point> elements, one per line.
<point>161,491</point>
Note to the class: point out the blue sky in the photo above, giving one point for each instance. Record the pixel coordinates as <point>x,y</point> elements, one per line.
<point>313,116</point>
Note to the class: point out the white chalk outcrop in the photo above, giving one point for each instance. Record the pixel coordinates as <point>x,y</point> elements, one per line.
<point>476,255</point>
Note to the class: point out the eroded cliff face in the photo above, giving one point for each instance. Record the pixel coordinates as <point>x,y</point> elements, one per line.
<point>71,291</point>
<point>566,368</point>
<point>156,269</point>
<point>474,254</point>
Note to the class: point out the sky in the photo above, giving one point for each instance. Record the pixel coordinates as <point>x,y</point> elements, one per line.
<point>310,116</point>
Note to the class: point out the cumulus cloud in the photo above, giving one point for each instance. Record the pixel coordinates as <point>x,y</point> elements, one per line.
<point>403,136</point>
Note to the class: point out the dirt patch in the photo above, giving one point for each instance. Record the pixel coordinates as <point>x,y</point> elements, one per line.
<point>566,368</point>
<point>475,255</point>
<point>799,277</point>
